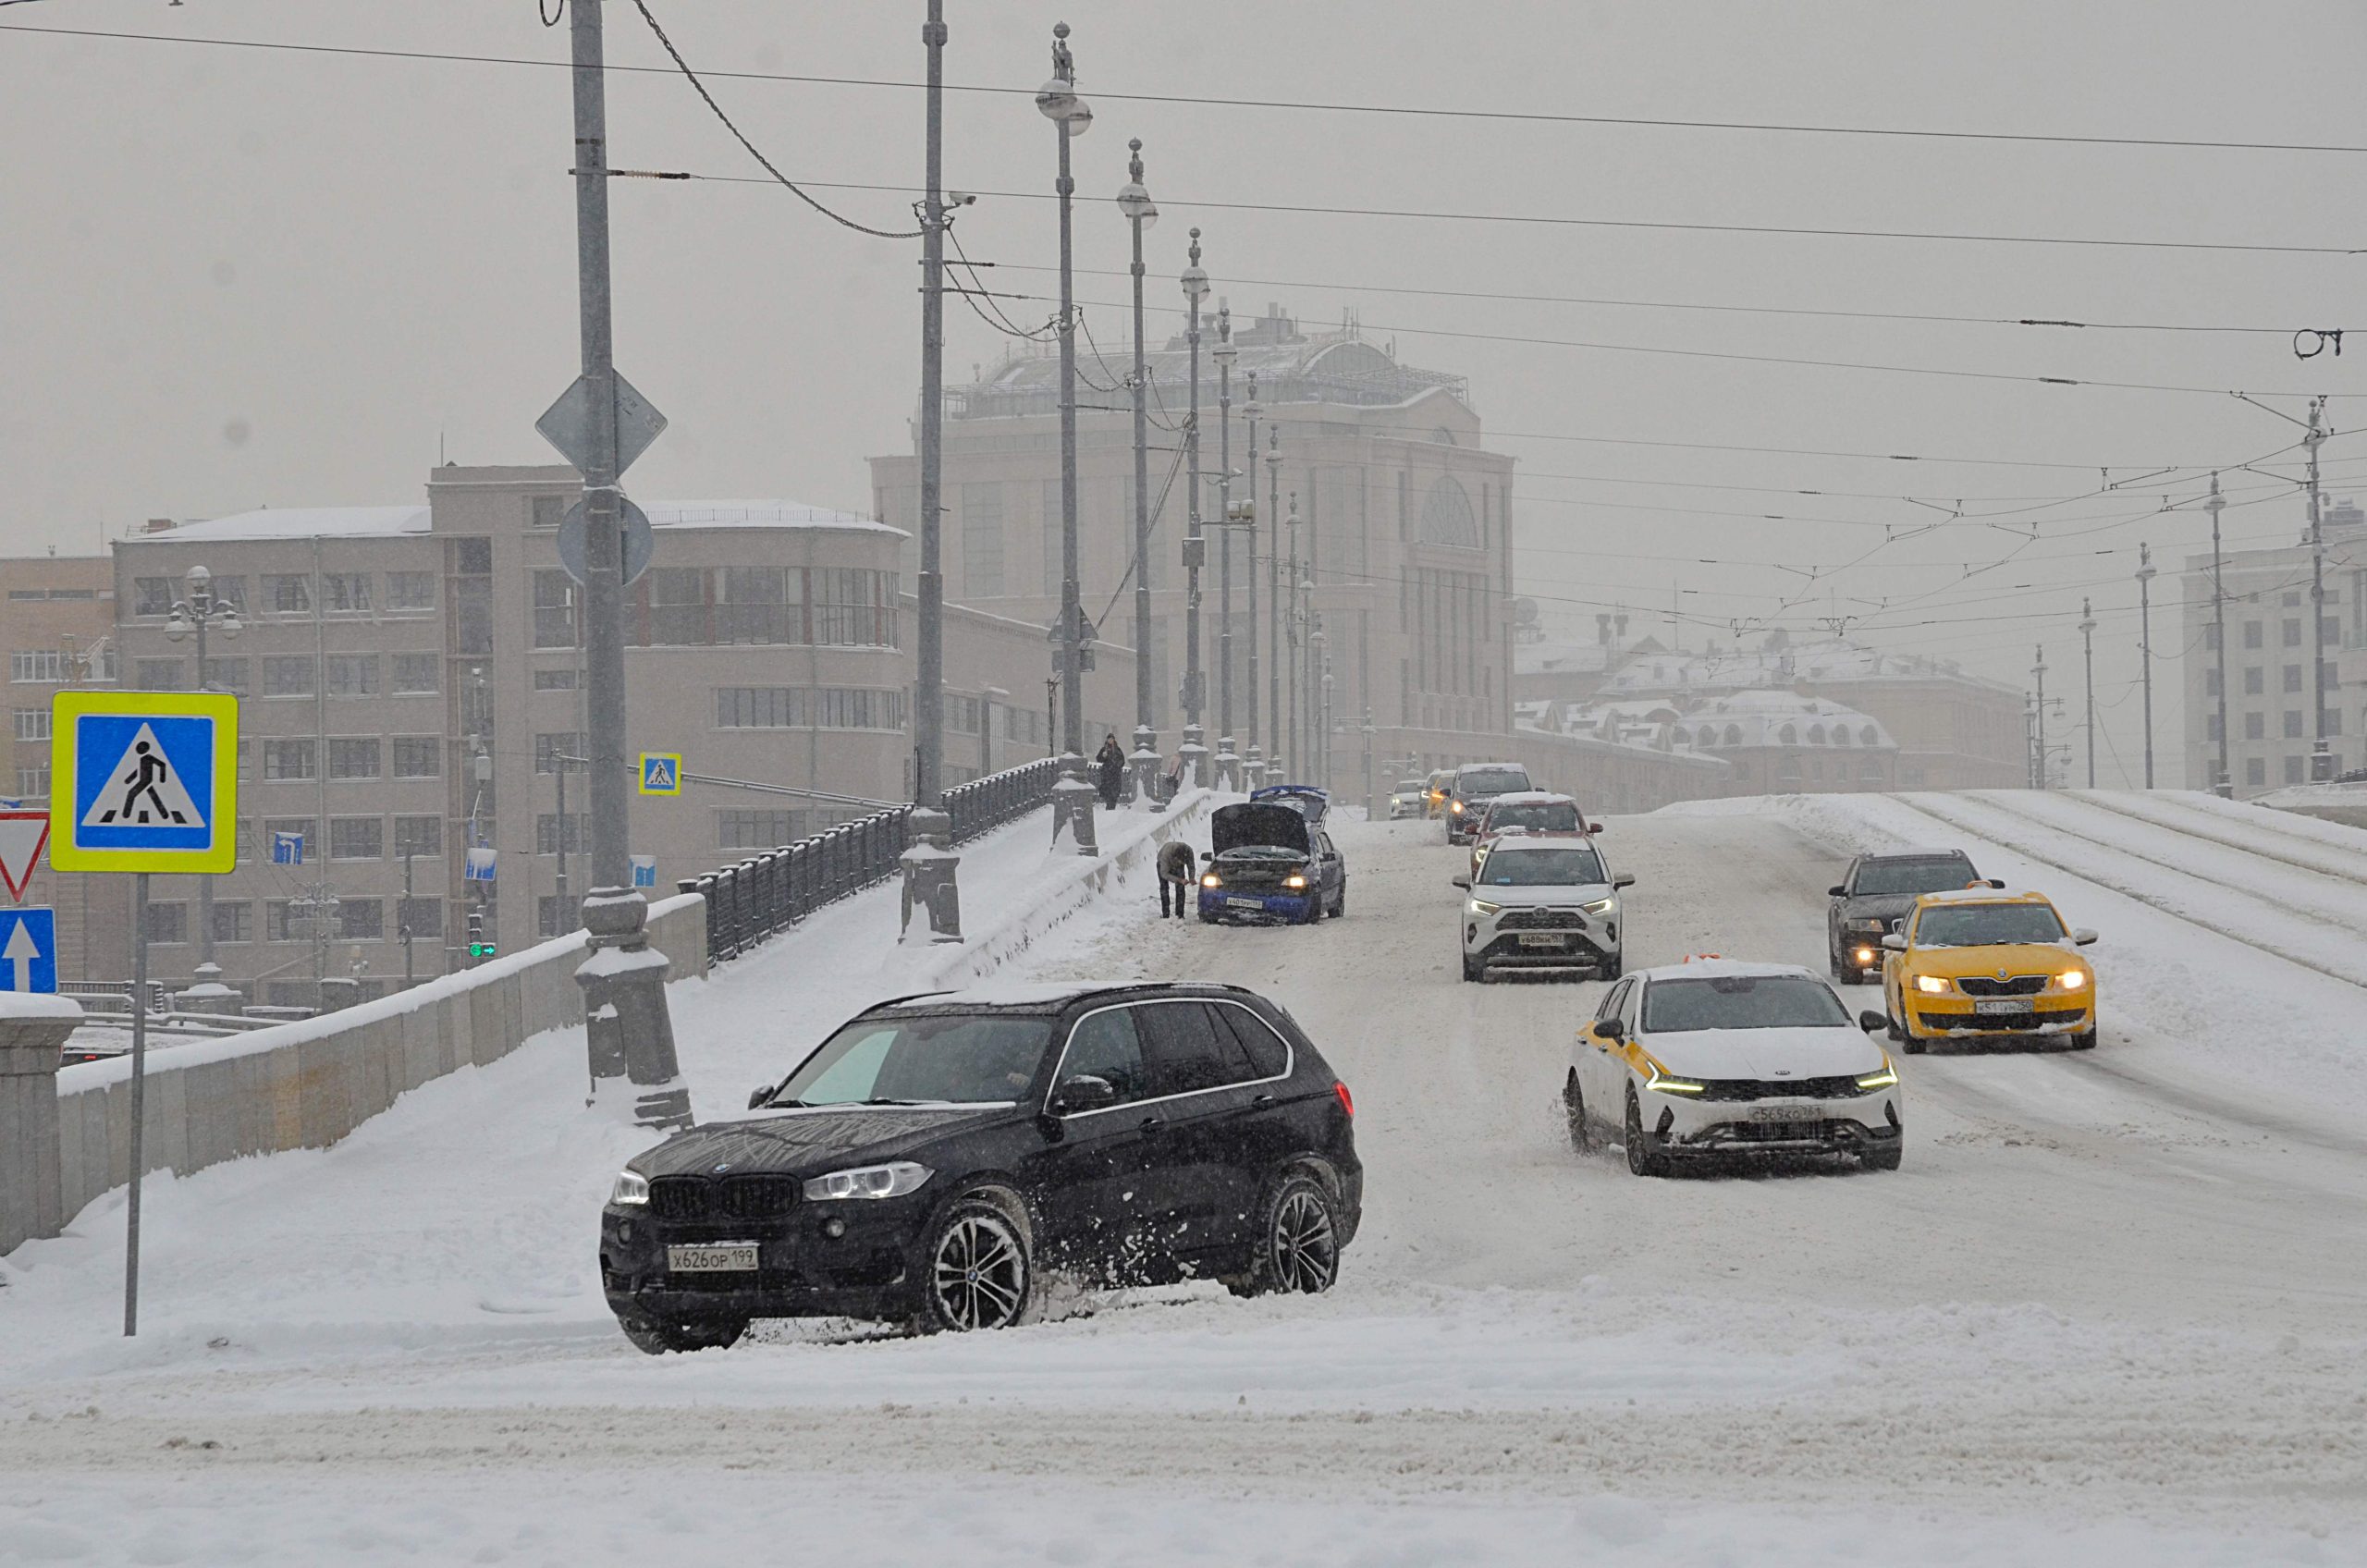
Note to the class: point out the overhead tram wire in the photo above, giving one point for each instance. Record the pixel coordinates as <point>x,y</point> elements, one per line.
<point>1417,111</point>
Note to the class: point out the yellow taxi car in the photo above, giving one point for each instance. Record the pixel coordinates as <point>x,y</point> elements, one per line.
<point>1979,964</point>
<point>1435,791</point>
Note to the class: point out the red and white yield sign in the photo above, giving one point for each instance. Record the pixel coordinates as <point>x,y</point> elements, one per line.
<point>23,835</point>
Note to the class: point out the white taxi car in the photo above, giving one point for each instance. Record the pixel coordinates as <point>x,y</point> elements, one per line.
<point>1717,1057</point>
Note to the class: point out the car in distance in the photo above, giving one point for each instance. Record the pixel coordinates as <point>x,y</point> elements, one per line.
<point>1712,1057</point>
<point>1975,965</point>
<point>1542,903</point>
<point>1270,861</point>
<point>1442,783</point>
<point>1875,895</point>
<point>1528,812</point>
<point>1411,798</point>
<point>1476,784</point>
<point>931,1159</point>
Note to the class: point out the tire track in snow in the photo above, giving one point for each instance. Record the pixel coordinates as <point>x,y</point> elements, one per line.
<point>2311,855</point>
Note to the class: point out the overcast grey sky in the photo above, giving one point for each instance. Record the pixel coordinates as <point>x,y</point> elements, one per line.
<point>239,278</point>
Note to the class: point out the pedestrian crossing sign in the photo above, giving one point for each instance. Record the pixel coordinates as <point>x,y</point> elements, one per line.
<point>144,781</point>
<point>661,773</point>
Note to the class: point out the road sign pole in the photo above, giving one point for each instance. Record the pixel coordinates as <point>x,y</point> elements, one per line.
<point>139,1100</point>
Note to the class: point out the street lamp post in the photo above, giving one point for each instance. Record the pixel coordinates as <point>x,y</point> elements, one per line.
<point>1249,691</point>
<point>1141,213</point>
<point>1292,622</point>
<point>2039,670</point>
<point>1276,658</point>
<point>1195,288</point>
<point>2321,752</point>
<point>2145,646</point>
<point>1227,765</point>
<point>197,612</point>
<point>2224,784</point>
<point>2088,655</point>
<point>1059,103</point>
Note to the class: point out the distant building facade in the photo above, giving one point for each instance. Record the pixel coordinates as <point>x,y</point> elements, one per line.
<point>388,649</point>
<point>2270,688</point>
<point>1773,740</point>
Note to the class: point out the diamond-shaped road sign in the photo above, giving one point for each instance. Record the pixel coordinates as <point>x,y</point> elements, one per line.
<point>22,834</point>
<point>639,544</point>
<point>567,424</point>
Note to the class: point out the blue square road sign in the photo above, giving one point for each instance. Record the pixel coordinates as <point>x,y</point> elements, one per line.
<point>27,949</point>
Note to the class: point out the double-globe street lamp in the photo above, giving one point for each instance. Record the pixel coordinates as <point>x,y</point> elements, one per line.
<point>1195,281</point>
<point>197,612</point>
<point>1070,117</point>
<point>1227,763</point>
<point>1141,212</point>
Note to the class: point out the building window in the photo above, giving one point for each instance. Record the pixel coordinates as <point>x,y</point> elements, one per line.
<point>546,833</point>
<point>678,606</point>
<point>761,604</point>
<point>963,716</point>
<point>2252,678</point>
<point>234,921</point>
<point>2215,726</point>
<point>546,512</point>
<point>2211,637</point>
<point>345,591</point>
<point>419,917</point>
<point>2334,721</point>
<point>289,759</point>
<point>353,758</point>
<point>549,748</point>
<point>410,590</point>
<point>982,541</point>
<point>555,680</point>
<point>152,596</point>
<point>854,606</point>
<point>1446,515</point>
<point>362,920</point>
<point>32,782</point>
<point>46,665</point>
<point>757,829</point>
<point>418,756</point>
<point>2293,770</point>
<point>550,920</point>
<point>2327,671</point>
<point>169,922</point>
<point>352,675</point>
<point>288,675</point>
<point>304,827</point>
<point>419,836</point>
<point>2255,726</point>
<point>287,594</point>
<point>357,838</point>
<point>2292,677</point>
<point>32,724</point>
<point>2210,682</point>
<point>2251,635</point>
<point>554,610</point>
<point>2292,724</point>
<point>226,675</point>
<point>156,674</point>
<point>418,672</point>
<point>799,707</point>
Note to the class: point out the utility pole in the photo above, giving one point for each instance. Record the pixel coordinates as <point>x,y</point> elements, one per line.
<point>929,679</point>
<point>1069,116</point>
<point>200,611</point>
<point>2088,650</point>
<point>2039,671</point>
<point>1134,201</point>
<point>2320,752</point>
<point>1249,691</point>
<point>1227,765</point>
<point>558,890</point>
<point>637,1040</point>
<point>2224,785</point>
<point>1275,656</point>
<point>1196,544</point>
<point>2145,646</point>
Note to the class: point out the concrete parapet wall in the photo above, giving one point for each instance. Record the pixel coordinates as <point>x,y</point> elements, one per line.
<point>307,1083</point>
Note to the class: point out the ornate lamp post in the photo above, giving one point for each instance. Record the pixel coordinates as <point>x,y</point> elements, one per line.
<point>1276,658</point>
<point>1196,544</point>
<point>1249,520</point>
<point>1134,201</point>
<point>2145,646</point>
<point>1227,765</point>
<point>197,612</point>
<point>1072,801</point>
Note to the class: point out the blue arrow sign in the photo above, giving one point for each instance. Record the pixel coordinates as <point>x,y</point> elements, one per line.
<point>27,949</point>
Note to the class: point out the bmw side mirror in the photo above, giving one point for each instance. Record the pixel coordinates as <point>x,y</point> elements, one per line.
<point>2082,938</point>
<point>1837,892</point>
<point>1462,882</point>
<point>1623,881</point>
<point>1895,941</point>
<point>759,1094</point>
<point>1869,1021</point>
<point>1082,1093</point>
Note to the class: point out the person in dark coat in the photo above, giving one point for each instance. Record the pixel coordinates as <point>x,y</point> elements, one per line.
<point>1112,760</point>
<point>1174,877</point>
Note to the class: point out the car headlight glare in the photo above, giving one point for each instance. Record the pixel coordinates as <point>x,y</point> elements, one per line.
<point>1602,906</point>
<point>1294,879</point>
<point>1661,1082</point>
<point>1211,880</point>
<point>1931,985</point>
<point>1864,955</point>
<point>631,1187</point>
<point>1457,807</point>
<point>2072,979</point>
<point>891,1180</point>
<point>1481,906</point>
<point>1885,1079</point>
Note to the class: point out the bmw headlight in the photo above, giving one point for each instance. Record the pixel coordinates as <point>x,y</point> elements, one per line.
<point>631,1187</point>
<point>1864,925</point>
<point>1931,985</point>
<point>891,1180</point>
<point>1602,906</point>
<point>1481,906</point>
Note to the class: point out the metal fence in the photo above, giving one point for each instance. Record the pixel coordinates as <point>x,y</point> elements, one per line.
<point>767,893</point>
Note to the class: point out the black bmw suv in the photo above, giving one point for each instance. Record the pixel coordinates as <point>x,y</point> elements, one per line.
<point>938,1152</point>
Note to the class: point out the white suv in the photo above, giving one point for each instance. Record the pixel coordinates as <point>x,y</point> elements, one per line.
<point>1542,903</point>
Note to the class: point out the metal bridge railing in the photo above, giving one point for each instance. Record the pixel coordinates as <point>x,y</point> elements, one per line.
<point>769,892</point>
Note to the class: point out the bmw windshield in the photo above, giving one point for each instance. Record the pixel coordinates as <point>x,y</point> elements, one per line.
<point>1876,878</point>
<point>921,1059</point>
<point>1741,1001</point>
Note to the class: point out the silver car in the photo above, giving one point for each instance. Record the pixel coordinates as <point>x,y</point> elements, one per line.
<point>1542,903</point>
<point>1411,798</point>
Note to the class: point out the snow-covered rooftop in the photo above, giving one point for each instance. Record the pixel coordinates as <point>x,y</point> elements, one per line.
<point>360,522</point>
<point>1736,668</point>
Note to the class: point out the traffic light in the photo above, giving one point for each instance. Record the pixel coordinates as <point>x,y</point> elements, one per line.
<point>478,946</point>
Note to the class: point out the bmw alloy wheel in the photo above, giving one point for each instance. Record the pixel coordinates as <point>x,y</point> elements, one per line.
<point>1305,1241</point>
<point>979,1276</point>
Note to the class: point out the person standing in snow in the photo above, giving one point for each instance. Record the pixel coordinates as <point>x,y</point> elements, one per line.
<point>1174,877</point>
<point>1112,760</point>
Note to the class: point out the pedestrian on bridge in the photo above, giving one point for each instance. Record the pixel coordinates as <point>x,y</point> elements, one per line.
<point>1112,761</point>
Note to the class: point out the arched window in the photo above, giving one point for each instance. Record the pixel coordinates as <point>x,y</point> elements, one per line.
<point>1788,736</point>
<point>1680,736</point>
<point>1841,736</point>
<point>1447,517</point>
<point>1872,736</point>
<point>1816,734</point>
<point>1734,734</point>
<point>1870,772</point>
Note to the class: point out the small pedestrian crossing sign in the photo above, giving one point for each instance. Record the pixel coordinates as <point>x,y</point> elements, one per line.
<point>661,773</point>
<point>144,781</point>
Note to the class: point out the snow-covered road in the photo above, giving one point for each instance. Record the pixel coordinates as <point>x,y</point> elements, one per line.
<point>2112,1310</point>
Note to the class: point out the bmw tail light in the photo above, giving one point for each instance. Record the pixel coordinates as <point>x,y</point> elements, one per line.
<point>1347,1101</point>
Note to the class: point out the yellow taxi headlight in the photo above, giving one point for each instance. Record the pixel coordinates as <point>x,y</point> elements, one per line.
<point>2072,979</point>
<point>1931,985</point>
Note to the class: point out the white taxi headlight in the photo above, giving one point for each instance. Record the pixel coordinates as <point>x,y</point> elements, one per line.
<point>631,1187</point>
<point>1481,906</point>
<point>1662,1083</point>
<point>868,1182</point>
<point>1603,906</point>
<point>1931,985</point>
<point>2072,979</point>
<point>1886,1078</point>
